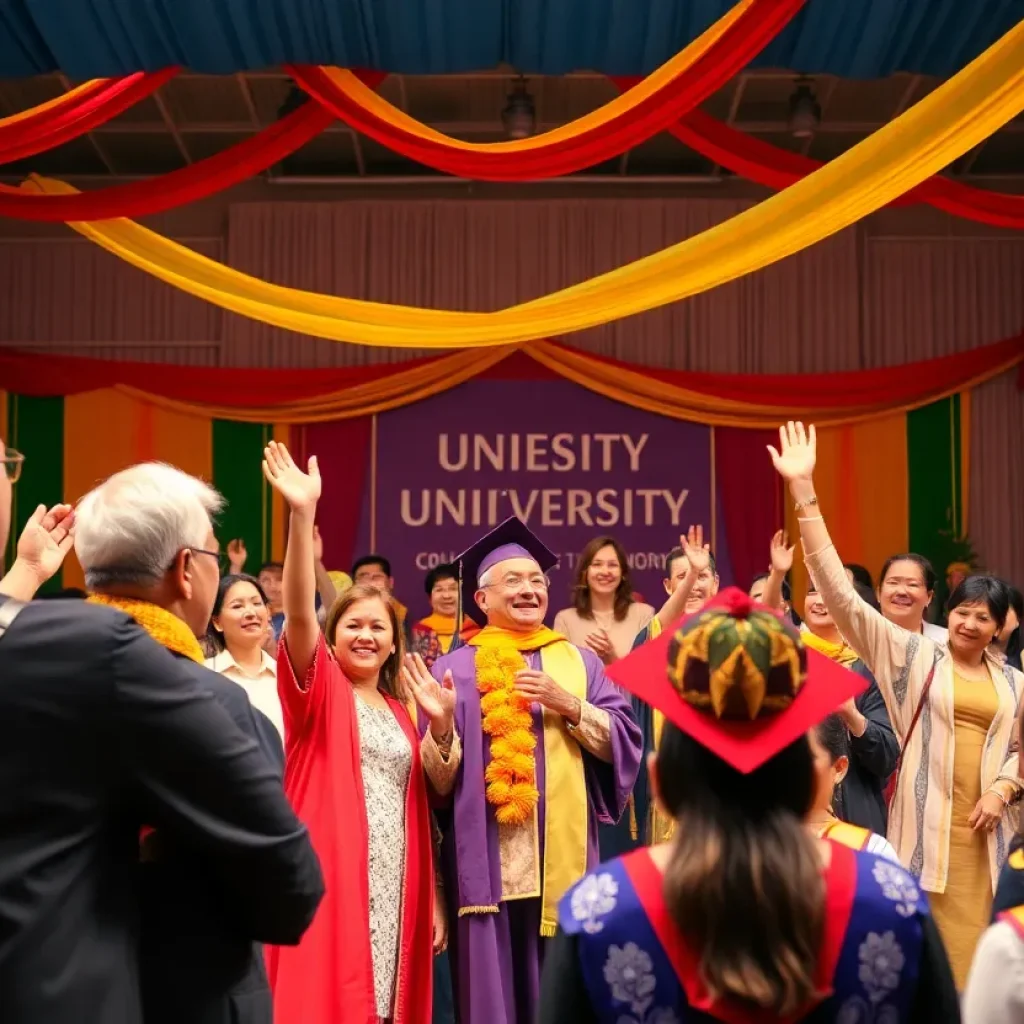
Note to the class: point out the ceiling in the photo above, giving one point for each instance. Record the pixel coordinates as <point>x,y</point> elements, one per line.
<point>851,38</point>
<point>194,116</point>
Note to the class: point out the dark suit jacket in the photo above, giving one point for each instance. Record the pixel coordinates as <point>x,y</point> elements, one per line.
<point>103,731</point>
<point>196,964</point>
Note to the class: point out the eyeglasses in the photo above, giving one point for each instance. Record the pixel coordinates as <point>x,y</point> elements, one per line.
<point>515,582</point>
<point>12,463</point>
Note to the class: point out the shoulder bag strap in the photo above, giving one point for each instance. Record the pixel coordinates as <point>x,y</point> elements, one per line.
<point>917,713</point>
<point>9,611</point>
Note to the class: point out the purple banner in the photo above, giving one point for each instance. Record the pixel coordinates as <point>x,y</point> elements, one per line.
<point>571,464</point>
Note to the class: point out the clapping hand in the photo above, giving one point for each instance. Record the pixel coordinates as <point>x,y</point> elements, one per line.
<point>698,554</point>
<point>600,643</point>
<point>797,452</point>
<point>782,553</point>
<point>437,700</point>
<point>300,490</point>
<point>47,538</point>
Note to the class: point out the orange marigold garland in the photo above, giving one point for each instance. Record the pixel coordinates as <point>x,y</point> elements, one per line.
<point>511,776</point>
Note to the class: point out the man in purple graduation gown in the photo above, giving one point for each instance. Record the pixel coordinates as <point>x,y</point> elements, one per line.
<point>503,880</point>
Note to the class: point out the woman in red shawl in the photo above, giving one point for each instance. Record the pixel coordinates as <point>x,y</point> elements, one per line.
<point>355,773</point>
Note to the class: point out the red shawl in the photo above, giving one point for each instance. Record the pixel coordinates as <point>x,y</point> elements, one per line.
<point>328,977</point>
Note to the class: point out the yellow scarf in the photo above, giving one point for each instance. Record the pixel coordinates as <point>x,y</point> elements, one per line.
<point>163,626</point>
<point>444,627</point>
<point>511,774</point>
<point>837,652</point>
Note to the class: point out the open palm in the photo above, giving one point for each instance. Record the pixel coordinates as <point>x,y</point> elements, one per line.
<point>797,452</point>
<point>47,538</point>
<point>300,490</point>
<point>436,699</point>
<point>698,554</point>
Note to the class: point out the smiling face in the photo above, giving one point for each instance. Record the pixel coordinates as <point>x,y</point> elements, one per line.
<point>444,597</point>
<point>604,573</point>
<point>363,639</point>
<point>270,581</point>
<point>514,594</point>
<point>704,589</point>
<point>816,615</point>
<point>243,617</point>
<point>972,628</point>
<point>904,595</point>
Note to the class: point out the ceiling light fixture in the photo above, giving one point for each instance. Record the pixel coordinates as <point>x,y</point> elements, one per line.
<point>519,117</point>
<point>804,109</point>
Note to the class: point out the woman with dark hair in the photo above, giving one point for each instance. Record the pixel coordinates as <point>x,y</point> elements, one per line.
<point>237,637</point>
<point>1007,644</point>
<point>431,637</point>
<point>905,593</point>
<point>356,773</point>
<point>603,616</point>
<point>743,915</point>
<point>828,818</point>
<point>952,705</point>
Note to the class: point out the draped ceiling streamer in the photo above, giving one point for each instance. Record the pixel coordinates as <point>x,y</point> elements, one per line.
<point>648,107</point>
<point>312,396</point>
<point>955,117</point>
<point>70,116</point>
<point>778,168</point>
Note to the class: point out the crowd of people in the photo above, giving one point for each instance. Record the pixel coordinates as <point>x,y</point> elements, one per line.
<point>274,797</point>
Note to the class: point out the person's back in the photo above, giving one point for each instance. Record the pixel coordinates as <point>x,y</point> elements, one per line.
<point>195,965</point>
<point>630,952</point>
<point>743,915</point>
<point>103,732</point>
<point>69,823</point>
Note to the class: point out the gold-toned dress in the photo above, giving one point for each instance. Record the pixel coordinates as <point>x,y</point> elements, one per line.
<point>962,912</point>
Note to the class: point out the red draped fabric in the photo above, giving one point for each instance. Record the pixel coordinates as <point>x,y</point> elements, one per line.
<point>895,387</point>
<point>55,124</point>
<point>778,168</point>
<point>197,181</point>
<point>741,42</point>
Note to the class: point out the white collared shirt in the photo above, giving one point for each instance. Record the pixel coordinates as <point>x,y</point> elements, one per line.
<point>262,688</point>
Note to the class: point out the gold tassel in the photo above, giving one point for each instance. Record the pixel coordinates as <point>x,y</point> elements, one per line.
<point>466,911</point>
<point>548,931</point>
<point>634,831</point>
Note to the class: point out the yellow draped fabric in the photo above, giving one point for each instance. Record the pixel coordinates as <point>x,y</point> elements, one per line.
<point>837,652</point>
<point>951,120</point>
<point>621,384</point>
<point>372,101</point>
<point>565,785</point>
<point>107,431</point>
<point>861,482</point>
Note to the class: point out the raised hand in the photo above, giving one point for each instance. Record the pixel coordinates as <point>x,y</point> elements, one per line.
<point>237,555</point>
<point>437,700</point>
<point>318,545</point>
<point>698,554</point>
<point>782,553</point>
<point>47,538</point>
<point>300,490</point>
<point>797,452</point>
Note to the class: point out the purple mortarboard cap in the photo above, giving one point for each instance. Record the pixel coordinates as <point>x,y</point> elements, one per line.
<point>510,539</point>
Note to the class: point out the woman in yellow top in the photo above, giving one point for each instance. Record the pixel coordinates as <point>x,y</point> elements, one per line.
<point>953,707</point>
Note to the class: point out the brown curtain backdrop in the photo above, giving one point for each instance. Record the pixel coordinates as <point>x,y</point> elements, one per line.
<point>902,285</point>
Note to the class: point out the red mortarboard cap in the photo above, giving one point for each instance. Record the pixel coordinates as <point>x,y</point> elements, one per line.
<point>738,679</point>
<point>510,539</point>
